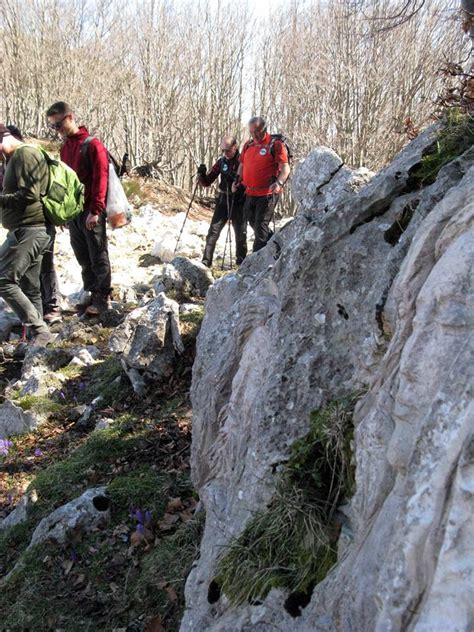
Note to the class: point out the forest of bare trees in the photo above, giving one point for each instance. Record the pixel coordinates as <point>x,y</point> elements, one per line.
<point>164,80</point>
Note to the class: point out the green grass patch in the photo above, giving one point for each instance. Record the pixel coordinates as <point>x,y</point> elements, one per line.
<point>39,404</point>
<point>291,544</point>
<point>453,139</point>
<point>102,380</point>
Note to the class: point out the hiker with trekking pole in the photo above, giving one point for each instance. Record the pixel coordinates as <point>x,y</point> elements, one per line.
<point>264,169</point>
<point>229,204</point>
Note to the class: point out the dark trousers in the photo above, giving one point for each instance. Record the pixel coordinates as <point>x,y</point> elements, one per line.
<point>90,248</point>
<point>49,279</point>
<point>259,213</point>
<point>20,264</point>
<point>219,220</point>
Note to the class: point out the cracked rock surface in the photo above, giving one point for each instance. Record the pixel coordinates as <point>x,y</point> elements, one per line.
<point>329,306</point>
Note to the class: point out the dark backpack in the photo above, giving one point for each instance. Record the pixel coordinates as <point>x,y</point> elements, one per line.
<point>85,155</point>
<point>286,142</point>
<point>282,138</point>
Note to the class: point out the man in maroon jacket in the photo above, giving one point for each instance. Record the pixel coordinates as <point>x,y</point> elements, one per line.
<point>88,231</point>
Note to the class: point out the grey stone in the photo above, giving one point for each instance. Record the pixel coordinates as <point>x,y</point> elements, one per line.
<point>149,341</point>
<point>328,307</point>
<point>189,308</point>
<point>20,513</point>
<point>16,421</point>
<point>321,180</point>
<point>190,277</point>
<point>90,511</point>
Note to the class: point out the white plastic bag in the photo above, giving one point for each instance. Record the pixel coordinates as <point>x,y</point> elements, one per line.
<point>117,206</point>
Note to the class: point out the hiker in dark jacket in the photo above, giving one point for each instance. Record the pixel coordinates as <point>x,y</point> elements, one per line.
<point>90,160</point>
<point>25,181</point>
<point>229,204</point>
<point>48,276</point>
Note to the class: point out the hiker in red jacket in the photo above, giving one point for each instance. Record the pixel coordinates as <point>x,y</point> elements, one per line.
<point>263,170</point>
<point>90,160</point>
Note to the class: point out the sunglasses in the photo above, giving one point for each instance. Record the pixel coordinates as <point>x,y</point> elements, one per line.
<point>58,124</point>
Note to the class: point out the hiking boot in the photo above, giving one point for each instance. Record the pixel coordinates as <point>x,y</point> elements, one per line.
<point>43,339</point>
<point>81,307</point>
<point>207,263</point>
<point>54,316</point>
<point>99,305</point>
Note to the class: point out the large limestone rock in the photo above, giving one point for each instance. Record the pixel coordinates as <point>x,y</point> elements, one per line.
<point>322,180</point>
<point>336,301</point>
<point>149,341</point>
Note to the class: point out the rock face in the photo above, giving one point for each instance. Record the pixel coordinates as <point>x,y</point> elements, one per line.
<point>322,180</point>
<point>375,290</point>
<point>148,341</point>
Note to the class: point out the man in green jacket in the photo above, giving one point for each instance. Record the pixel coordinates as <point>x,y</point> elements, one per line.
<point>24,182</point>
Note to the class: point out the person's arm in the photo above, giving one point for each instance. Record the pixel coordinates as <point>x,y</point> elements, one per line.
<point>31,173</point>
<point>208,179</point>
<point>238,178</point>
<point>281,157</point>
<point>99,161</point>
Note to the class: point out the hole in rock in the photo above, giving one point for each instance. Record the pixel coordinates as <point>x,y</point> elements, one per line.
<point>214,592</point>
<point>399,226</point>
<point>101,503</point>
<point>297,601</point>
<point>341,310</point>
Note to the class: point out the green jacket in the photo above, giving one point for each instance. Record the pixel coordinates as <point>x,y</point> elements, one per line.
<point>25,180</point>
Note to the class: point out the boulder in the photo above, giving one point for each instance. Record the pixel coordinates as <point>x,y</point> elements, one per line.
<point>20,513</point>
<point>192,278</point>
<point>16,421</point>
<point>86,513</point>
<point>333,304</point>
<point>149,341</point>
<point>321,180</point>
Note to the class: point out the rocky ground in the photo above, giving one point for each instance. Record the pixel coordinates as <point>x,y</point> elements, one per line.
<point>99,523</point>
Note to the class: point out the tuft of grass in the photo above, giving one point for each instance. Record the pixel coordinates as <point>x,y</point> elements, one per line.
<point>453,139</point>
<point>143,488</point>
<point>39,404</point>
<point>102,380</point>
<point>292,543</point>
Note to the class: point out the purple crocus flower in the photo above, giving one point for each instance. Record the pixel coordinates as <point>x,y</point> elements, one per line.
<point>61,395</point>
<point>139,516</point>
<point>140,529</point>
<point>38,452</point>
<point>5,446</point>
<point>147,517</point>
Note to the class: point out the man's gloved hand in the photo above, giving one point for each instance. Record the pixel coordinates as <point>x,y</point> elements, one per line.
<point>202,170</point>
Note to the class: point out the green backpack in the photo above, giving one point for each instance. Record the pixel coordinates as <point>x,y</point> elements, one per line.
<point>64,197</point>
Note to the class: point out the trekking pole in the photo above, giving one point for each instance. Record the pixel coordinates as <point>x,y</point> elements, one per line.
<point>186,216</point>
<point>229,234</point>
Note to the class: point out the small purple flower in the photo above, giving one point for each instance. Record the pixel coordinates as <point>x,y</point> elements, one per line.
<point>61,395</point>
<point>38,452</point>
<point>5,446</point>
<point>139,516</point>
<point>140,529</point>
<point>74,556</point>
<point>82,386</point>
<point>147,517</point>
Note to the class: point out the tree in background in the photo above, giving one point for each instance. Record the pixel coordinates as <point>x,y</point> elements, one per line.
<point>166,80</point>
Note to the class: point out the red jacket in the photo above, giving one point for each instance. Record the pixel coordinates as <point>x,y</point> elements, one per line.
<point>261,166</point>
<point>93,170</point>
